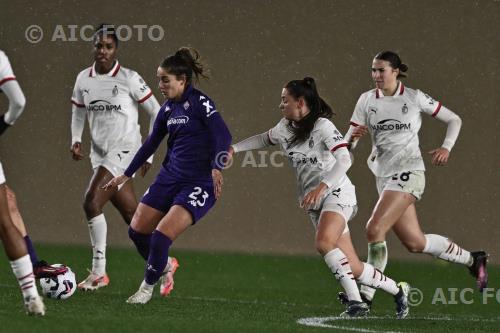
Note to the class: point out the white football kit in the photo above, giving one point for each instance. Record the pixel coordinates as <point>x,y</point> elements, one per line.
<point>14,93</point>
<point>312,160</point>
<point>111,104</point>
<point>393,123</point>
<point>6,73</point>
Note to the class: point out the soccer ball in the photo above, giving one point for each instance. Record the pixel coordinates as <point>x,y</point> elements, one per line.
<point>61,286</point>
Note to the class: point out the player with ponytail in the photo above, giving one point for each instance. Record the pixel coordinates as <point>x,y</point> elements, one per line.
<point>190,180</point>
<point>319,154</point>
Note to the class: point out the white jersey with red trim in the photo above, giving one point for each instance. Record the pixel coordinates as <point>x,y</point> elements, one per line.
<point>312,158</point>
<point>6,73</point>
<point>393,123</point>
<point>111,101</point>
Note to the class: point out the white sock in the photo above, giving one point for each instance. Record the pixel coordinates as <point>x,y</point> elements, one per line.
<point>98,230</point>
<point>441,247</point>
<point>338,264</point>
<point>145,285</point>
<point>23,270</point>
<point>377,257</point>
<point>374,278</point>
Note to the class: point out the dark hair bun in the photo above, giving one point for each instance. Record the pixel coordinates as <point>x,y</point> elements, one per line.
<point>403,67</point>
<point>309,80</point>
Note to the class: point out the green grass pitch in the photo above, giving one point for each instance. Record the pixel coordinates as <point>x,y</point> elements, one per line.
<point>220,292</point>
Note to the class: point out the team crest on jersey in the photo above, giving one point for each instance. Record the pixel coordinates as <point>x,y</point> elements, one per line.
<point>404,109</point>
<point>311,142</point>
<point>186,105</point>
<point>115,91</point>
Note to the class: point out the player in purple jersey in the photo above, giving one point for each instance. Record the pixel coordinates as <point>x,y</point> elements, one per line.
<point>190,180</point>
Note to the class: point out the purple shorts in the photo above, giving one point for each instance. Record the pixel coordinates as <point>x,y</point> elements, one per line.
<point>165,192</point>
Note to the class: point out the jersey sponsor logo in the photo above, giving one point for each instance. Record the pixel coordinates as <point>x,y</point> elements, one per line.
<point>181,120</point>
<point>297,158</point>
<point>208,107</point>
<point>391,125</point>
<point>101,105</point>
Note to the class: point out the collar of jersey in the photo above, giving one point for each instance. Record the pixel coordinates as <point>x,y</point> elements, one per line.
<point>112,72</point>
<point>189,89</point>
<point>400,88</point>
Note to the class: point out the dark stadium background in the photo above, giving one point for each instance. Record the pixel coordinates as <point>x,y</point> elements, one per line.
<point>253,48</point>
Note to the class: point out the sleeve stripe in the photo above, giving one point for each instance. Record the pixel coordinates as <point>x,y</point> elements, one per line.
<point>77,104</point>
<point>339,146</point>
<point>352,123</point>
<point>437,110</point>
<point>10,78</point>
<point>142,100</point>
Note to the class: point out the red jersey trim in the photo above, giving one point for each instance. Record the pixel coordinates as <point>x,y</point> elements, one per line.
<point>352,123</point>
<point>142,100</point>
<point>339,146</point>
<point>116,70</point>
<point>437,110</point>
<point>79,105</point>
<point>9,78</point>
<point>401,89</point>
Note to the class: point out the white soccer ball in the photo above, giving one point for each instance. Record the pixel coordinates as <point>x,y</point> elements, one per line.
<point>61,286</point>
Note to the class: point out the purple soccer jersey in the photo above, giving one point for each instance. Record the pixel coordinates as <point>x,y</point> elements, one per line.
<point>197,138</point>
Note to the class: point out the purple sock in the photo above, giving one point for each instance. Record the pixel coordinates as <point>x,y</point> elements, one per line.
<point>141,241</point>
<point>31,250</point>
<point>158,257</point>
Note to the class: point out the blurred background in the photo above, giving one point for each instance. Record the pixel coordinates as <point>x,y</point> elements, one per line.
<point>252,49</point>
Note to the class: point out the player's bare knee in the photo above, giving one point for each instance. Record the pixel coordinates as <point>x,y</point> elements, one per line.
<point>91,206</point>
<point>325,245</point>
<point>373,231</point>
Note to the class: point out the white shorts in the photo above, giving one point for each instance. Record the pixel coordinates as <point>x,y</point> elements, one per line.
<point>2,176</point>
<point>341,201</point>
<point>115,161</point>
<point>412,182</point>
